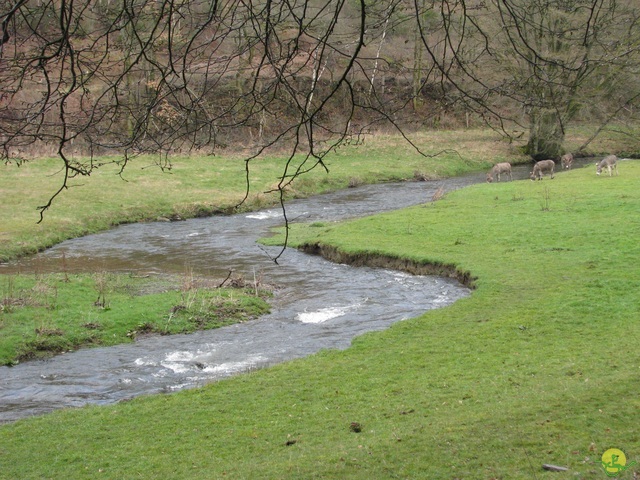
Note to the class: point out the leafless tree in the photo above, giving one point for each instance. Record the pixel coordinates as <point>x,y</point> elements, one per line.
<point>139,76</point>
<point>555,59</point>
<point>160,76</point>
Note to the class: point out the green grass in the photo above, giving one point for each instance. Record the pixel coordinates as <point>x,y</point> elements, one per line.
<point>45,315</point>
<point>539,365</point>
<point>197,186</point>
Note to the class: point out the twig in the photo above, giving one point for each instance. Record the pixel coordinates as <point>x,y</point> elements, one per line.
<point>225,280</point>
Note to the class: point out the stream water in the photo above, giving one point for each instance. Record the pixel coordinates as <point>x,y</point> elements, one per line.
<point>317,305</point>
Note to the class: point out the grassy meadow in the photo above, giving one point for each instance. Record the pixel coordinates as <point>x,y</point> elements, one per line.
<point>540,365</point>
<point>197,186</point>
<point>44,315</point>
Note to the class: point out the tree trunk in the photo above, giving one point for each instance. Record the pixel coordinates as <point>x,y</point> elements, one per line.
<point>546,135</point>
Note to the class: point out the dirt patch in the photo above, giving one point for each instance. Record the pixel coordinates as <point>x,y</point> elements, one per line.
<point>390,262</point>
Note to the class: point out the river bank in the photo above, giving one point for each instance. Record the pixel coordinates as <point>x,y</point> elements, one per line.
<point>539,363</point>
<point>202,186</point>
<point>316,304</point>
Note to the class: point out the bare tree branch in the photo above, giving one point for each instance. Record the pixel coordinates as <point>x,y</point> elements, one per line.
<point>85,78</point>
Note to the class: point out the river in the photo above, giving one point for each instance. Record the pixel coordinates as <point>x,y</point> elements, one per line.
<point>317,304</point>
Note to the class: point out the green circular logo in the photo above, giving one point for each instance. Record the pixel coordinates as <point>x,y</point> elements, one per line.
<point>614,462</point>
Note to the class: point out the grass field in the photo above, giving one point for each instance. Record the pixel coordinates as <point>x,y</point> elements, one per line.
<point>193,186</point>
<point>540,365</point>
<point>44,315</point>
<point>197,186</point>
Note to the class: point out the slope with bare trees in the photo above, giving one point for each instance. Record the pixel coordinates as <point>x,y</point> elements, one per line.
<point>84,78</point>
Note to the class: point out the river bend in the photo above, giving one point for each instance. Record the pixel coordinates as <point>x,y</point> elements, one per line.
<point>317,305</point>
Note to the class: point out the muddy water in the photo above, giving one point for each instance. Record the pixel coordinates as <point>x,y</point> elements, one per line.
<point>318,304</point>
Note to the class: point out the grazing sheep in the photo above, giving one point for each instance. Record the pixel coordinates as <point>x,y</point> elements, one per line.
<point>498,169</point>
<point>542,167</point>
<point>610,163</point>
